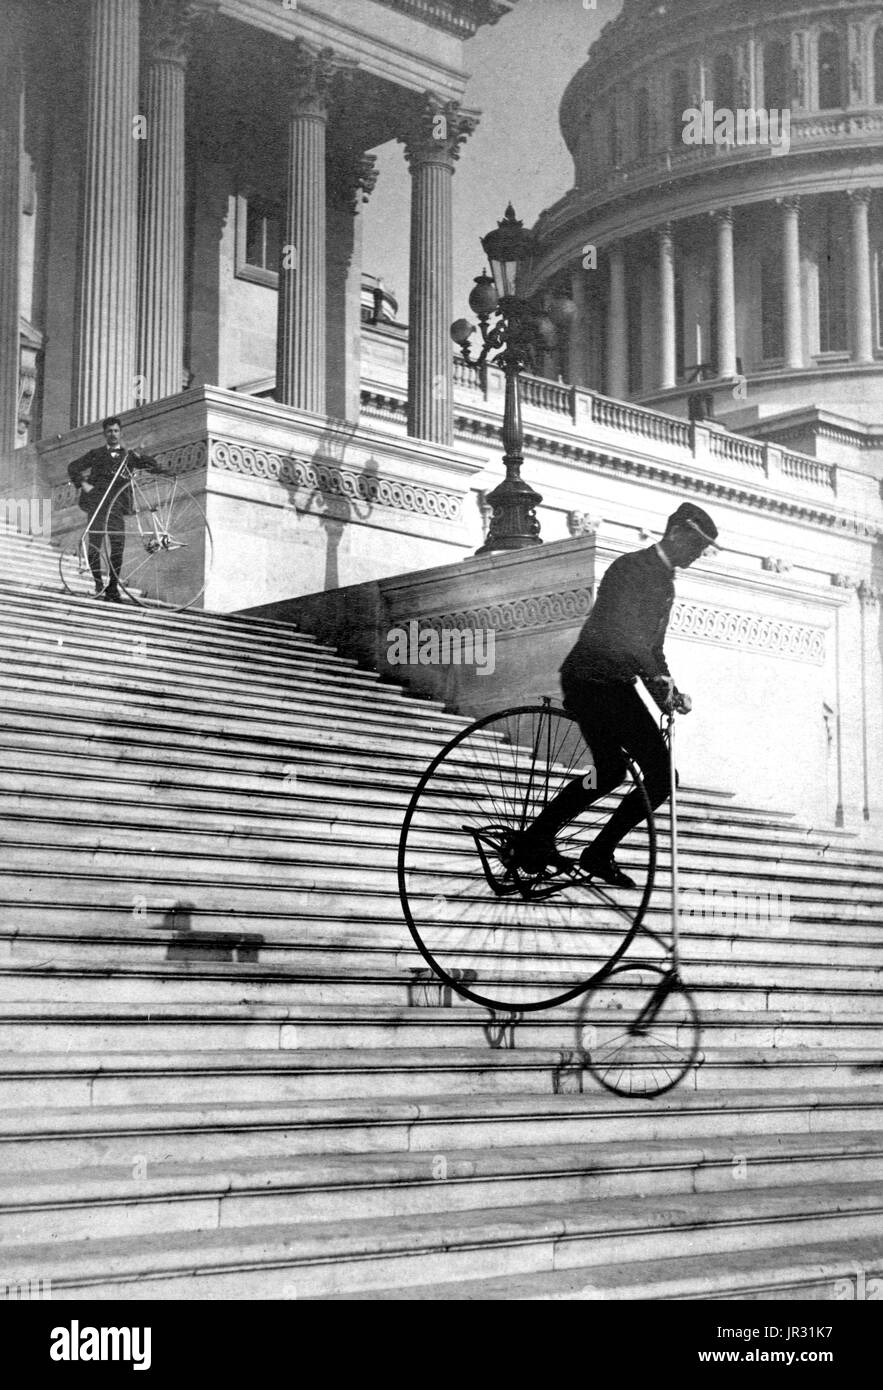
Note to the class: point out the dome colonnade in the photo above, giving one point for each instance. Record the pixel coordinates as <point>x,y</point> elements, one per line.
<point>727,215</point>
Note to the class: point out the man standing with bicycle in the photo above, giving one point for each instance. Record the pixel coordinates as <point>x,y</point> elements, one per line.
<point>106,498</point>
<point>622,641</point>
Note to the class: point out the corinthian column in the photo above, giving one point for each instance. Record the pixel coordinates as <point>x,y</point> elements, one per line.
<point>862,337</point>
<point>667,327</point>
<point>432,147</point>
<point>108,269</point>
<point>352,175</point>
<point>726,295</point>
<point>617,335</point>
<point>161,244</point>
<point>10,215</point>
<point>301,331</point>
<point>791,282</point>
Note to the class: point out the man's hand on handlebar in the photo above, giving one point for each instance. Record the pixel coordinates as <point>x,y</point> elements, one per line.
<point>667,696</point>
<point>682,704</point>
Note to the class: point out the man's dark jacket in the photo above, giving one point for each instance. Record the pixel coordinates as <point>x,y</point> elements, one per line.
<point>98,467</point>
<point>623,635</point>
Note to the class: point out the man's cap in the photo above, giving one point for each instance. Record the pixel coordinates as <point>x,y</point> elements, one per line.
<point>688,514</point>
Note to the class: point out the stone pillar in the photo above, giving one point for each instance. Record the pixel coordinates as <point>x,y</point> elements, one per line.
<point>432,147</point>
<point>161,240</point>
<point>726,295</point>
<point>862,331</point>
<point>10,218</point>
<point>352,176</point>
<point>301,329</point>
<point>108,267</point>
<point>617,328</point>
<point>667,327</point>
<point>791,293</point>
<point>579,329</point>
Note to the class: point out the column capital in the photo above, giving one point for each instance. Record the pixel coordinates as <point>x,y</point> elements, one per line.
<point>860,196</point>
<point>665,235</point>
<point>352,175</point>
<point>168,28</point>
<point>722,217</point>
<point>868,594</point>
<point>308,75</point>
<point>436,129</point>
<point>791,203</point>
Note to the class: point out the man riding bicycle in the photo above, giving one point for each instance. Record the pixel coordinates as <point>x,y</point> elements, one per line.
<point>621,641</point>
<point>107,503</point>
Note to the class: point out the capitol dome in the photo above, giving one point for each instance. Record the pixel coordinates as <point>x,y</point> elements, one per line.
<point>726,222</point>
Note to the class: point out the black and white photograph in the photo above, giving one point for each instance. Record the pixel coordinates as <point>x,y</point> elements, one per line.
<point>441,664</point>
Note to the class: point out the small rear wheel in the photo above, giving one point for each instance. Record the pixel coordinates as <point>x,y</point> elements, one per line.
<point>639,1030</point>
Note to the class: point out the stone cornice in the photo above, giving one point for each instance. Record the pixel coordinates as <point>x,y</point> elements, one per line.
<point>483,426</point>
<point>460,17</point>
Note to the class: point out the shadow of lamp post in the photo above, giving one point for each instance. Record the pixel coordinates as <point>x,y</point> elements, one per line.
<point>513,334</point>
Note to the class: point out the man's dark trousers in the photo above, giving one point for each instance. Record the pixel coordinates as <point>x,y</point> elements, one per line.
<point>109,519</point>
<point>612,717</point>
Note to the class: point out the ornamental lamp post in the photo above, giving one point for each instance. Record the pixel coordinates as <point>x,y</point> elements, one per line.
<point>513,332</point>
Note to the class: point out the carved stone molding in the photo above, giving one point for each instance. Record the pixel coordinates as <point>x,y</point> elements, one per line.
<point>309,77</point>
<point>749,631</point>
<point>352,175</point>
<point>774,564</point>
<point>314,477</point>
<point>583,524</point>
<point>519,614</point>
<point>461,17</point>
<point>168,28</point>
<point>436,130</point>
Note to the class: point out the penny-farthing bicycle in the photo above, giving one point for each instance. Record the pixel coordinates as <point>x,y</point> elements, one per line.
<point>516,940</point>
<point>164,536</point>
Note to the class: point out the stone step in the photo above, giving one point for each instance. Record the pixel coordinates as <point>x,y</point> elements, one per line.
<point>68,1079</point>
<point>820,1272</point>
<point>122,700</point>
<point>31,935</point>
<point>30,786</point>
<point>201,680</point>
<point>321,1258</point>
<point>744,890</point>
<point>145,1198</point>
<point>53,1137</point>
<point>222,982</point>
<point>36,1026</point>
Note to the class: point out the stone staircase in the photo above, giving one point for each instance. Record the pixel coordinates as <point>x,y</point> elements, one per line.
<point>218,1078</point>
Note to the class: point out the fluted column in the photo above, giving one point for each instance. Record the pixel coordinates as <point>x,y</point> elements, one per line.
<point>792,303</point>
<point>862,333</point>
<point>432,146</point>
<point>301,327</point>
<point>108,269</point>
<point>579,330</point>
<point>667,327</point>
<point>617,331</point>
<point>352,175</point>
<point>10,213</point>
<point>726,294</point>
<point>161,240</point>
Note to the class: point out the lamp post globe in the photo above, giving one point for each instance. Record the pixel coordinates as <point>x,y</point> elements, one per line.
<point>510,337</point>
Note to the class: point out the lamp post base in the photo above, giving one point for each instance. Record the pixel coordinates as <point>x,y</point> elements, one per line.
<point>513,521</point>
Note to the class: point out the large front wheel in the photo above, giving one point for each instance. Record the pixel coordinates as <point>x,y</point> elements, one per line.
<point>166,544</point>
<point>505,935</point>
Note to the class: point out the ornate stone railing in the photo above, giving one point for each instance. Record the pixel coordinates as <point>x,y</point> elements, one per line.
<point>737,449</point>
<point>809,470</point>
<point>649,424</point>
<point>548,395</point>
